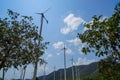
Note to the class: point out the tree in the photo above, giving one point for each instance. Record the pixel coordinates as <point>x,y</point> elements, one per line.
<point>19,41</point>
<point>103,38</point>
<point>109,68</point>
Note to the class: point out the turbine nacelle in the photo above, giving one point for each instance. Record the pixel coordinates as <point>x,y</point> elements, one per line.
<point>42,15</point>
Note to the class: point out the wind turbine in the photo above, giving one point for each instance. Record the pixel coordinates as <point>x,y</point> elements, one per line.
<point>72,68</point>
<point>76,66</point>
<point>79,74</point>
<point>64,49</point>
<point>23,71</point>
<point>54,72</point>
<point>45,70</point>
<point>21,75</point>
<point>42,17</point>
<point>60,75</point>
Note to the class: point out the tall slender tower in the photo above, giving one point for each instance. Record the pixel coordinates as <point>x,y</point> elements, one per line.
<point>45,71</point>
<point>36,63</point>
<point>72,68</point>
<point>76,72</point>
<point>54,72</point>
<point>60,75</point>
<point>64,62</point>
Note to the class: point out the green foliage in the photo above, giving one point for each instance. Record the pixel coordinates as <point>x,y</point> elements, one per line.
<point>109,68</point>
<point>103,38</point>
<point>103,35</point>
<point>19,41</point>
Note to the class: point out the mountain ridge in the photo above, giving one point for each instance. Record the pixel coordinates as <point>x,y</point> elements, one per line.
<point>79,71</point>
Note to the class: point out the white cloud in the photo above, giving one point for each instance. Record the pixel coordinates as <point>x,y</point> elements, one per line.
<point>68,51</point>
<point>58,45</point>
<point>83,61</point>
<point>48,56</point>
<point>58,53</point>
<point>75,41</point>
<point>72,23</point>
<point>65,30</point>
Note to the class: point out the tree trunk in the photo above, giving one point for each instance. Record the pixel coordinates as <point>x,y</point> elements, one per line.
<point>24,71</point>
<point>35,71</point>
<point>3,76</point>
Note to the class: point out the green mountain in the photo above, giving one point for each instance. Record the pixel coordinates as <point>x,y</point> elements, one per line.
<point>79,71</point>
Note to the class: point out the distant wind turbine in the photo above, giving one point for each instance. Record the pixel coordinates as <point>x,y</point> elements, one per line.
<point>54,72</point>
<point>60,75</point>
<point>64,49</point>
<point>23,71</point>
<point>79,74</point>
<point>45,70</point>
<point>72,68</point>
<point>76,71</point>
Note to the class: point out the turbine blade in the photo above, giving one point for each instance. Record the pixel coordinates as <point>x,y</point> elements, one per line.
<point>46,10</point>
<point>45,19</point>
<point>39,13</point>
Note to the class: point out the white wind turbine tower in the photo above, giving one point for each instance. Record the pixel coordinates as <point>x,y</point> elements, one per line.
<point>79,74</point>
<point>60,75</point>
<point>72,68</point>
<point>54,72</point>
<point>45,70</point>
<point>77,71</point>
<point>23,71</point>
<point>64,49</point>
<point>36,63</point>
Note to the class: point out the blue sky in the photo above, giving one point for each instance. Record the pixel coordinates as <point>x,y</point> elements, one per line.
<point>66,19</point>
